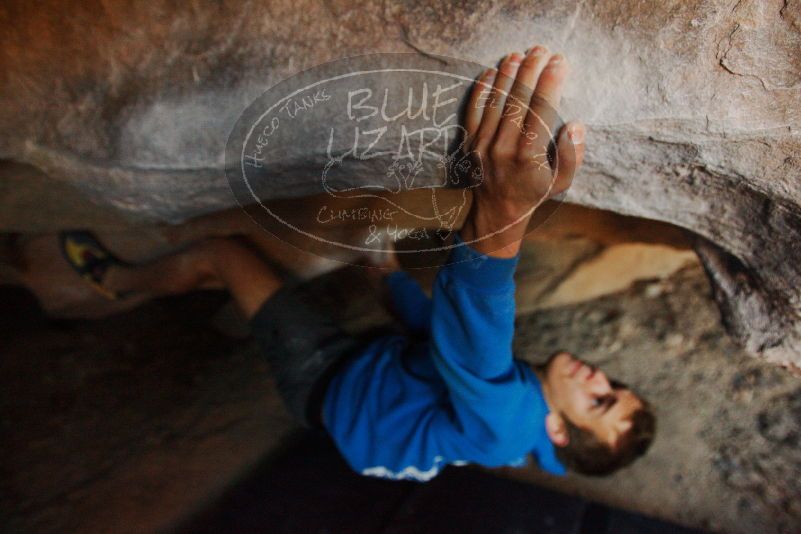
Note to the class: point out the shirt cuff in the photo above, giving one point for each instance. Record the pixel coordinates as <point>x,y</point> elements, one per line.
<point>478,269</point>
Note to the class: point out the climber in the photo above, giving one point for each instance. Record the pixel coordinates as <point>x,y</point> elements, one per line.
<point>450,392</point>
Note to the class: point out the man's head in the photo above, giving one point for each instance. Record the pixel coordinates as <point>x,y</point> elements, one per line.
<point>597,425</point>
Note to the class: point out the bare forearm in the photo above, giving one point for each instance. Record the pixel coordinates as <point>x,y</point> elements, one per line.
<point>494,231</point>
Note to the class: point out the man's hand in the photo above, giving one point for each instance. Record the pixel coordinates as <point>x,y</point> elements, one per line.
<point>509,122</point>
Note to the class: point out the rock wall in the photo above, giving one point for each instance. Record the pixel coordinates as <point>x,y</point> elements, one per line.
<point>693,108</point>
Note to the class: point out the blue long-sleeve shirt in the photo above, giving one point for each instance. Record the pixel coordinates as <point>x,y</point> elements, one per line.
<point>404,409</point>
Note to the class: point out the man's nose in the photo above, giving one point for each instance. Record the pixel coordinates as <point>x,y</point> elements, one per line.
<point>599,381</point>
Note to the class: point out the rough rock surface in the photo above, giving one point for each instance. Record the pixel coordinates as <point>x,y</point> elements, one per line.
<point>693,108</point>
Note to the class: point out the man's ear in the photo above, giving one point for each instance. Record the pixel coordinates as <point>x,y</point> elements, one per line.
<point>557,429</point>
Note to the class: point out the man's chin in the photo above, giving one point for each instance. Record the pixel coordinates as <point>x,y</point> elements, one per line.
<point>558,362</point>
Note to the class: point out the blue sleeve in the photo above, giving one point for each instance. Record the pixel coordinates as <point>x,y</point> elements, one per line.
<point>409,302</point>
<point>472,327</point>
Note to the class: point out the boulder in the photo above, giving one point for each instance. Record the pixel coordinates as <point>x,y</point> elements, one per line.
<point>693,110</point>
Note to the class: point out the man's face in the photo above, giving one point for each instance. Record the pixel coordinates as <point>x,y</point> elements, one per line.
<point>584,395</point>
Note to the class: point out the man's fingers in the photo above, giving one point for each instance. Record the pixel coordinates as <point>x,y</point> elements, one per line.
<point>550,82</point>
<point>569,155</point>
<point>495,103</point>
<point>478,99</point>
<point>542,117</point>
<point>498,99</point>
<point>516,109</point>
